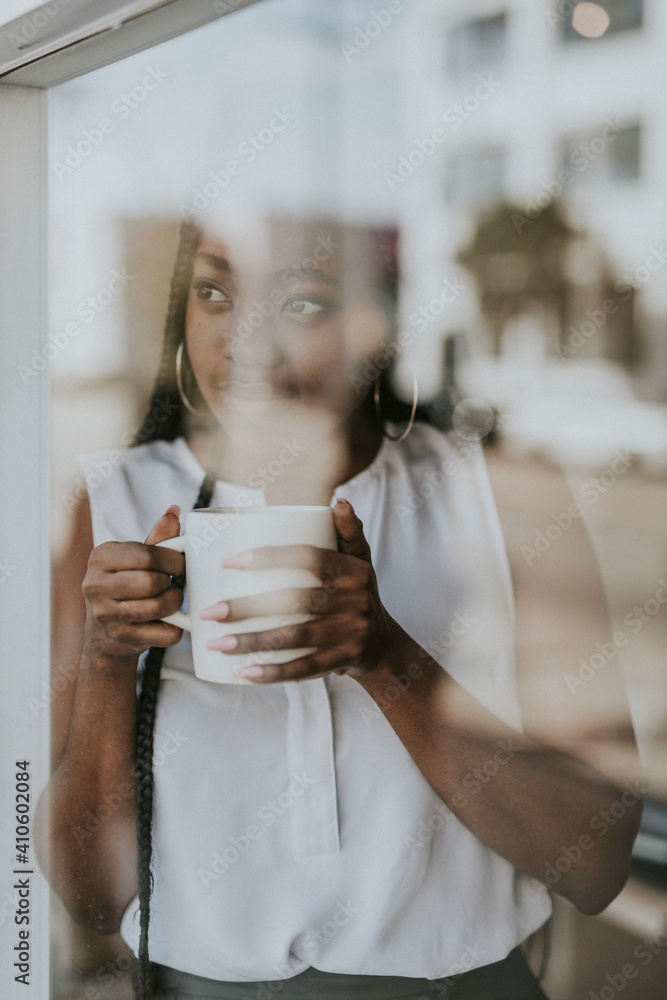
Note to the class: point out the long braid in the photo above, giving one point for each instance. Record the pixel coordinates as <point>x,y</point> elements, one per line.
<point>146,712</point>
<point>165,401</point>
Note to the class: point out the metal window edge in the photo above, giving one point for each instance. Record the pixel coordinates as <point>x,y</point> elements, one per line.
<point>105,36</point>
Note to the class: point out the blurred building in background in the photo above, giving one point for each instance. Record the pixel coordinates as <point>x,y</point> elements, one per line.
<point>540,116</point>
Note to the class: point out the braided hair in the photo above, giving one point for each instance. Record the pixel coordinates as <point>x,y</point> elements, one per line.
<point>146,712</point>
<point>165,398</point>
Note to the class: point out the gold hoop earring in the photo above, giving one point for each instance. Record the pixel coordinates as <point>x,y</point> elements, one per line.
<point>415,396</point>
<point>179,380</point>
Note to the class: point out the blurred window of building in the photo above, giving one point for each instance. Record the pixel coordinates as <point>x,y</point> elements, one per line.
<point>587,21</point>
<point>476,175</point>
<point>476,46</point>
<point>605,155</point>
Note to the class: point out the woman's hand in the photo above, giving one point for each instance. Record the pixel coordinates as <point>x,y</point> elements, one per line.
<point>127,588</point>
<point>350,629</point>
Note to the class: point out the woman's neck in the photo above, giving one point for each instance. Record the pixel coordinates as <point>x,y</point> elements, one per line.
<point>297,466</point>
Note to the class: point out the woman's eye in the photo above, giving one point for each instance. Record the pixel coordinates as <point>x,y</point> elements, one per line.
<point>303,306</point>
<point>209,293</point>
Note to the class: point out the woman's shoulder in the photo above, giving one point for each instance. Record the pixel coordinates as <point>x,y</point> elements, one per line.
<point>445,466</point>
<point>129,488</point>
<point>449,450</point>
<point>142,459</point>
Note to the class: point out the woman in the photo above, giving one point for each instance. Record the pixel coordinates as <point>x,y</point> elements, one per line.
<point>386,828</point>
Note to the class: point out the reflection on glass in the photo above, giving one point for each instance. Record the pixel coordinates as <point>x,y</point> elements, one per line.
<point>249,267</point>
<point>475,175</point>
<point>582,154</point>
<point>582,21</point>
<point>477,46</point>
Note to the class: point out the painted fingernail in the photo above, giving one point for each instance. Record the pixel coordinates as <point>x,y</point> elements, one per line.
<point>238,561</point>
<point>252,670</point>
<point>216,612</point>
<point>174,509</point>
<point>223,644</point>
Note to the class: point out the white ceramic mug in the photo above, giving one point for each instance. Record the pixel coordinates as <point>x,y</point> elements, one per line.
<point>210,536</point>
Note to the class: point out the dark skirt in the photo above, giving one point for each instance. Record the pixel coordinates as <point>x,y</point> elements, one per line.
<point>510,979</point>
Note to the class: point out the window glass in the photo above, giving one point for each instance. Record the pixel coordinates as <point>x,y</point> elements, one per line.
<point>341,229</point>
<point>477,45</point>
<point>604,155</point>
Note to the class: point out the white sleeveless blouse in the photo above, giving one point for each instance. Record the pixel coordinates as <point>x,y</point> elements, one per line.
<point>292,826</point>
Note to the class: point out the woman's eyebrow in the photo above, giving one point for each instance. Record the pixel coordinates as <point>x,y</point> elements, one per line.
<point>218,263</point>
<point>312,273</point>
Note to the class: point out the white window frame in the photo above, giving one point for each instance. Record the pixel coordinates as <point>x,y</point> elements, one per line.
<point>90,34</point>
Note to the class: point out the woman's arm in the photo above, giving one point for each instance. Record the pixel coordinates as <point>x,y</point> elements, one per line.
<point>532,803</point>
<point>87,815</point>
<point>563,801</point>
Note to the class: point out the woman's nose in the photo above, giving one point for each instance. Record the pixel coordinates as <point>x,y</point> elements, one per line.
<point>253,339</point>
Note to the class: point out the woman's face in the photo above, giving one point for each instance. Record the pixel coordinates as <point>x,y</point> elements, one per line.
<point>288,332</point>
